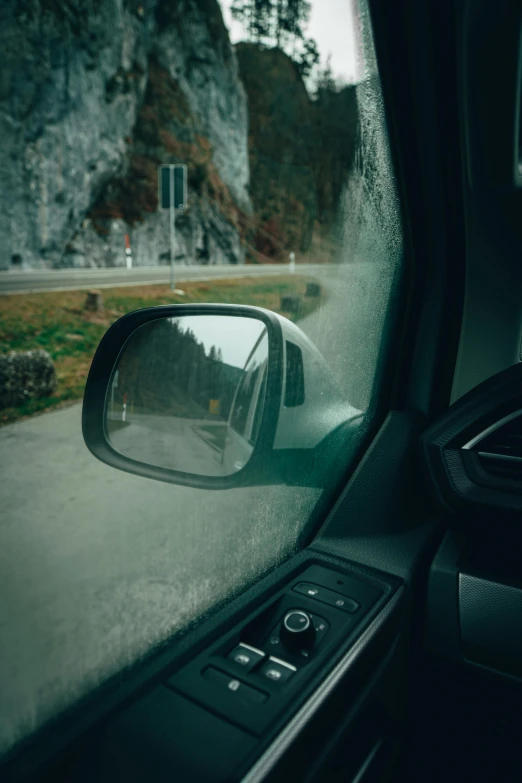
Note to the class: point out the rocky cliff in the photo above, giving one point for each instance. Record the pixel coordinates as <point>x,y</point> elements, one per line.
<point>93,96</point>
<point>301,150</point>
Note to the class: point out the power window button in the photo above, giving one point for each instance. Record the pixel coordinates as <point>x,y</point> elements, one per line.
<point>348,604</point>
<point>245,656</point>
<point>328,597</point>
<point>312,591</point>
<point>276,670</point>
<point>242,692</point>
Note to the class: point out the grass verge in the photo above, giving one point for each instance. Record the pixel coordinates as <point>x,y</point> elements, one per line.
<point>58,323</point>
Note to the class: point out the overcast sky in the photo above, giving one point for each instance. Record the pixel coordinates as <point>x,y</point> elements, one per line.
<point>234,335</point>
<point>330,25</point>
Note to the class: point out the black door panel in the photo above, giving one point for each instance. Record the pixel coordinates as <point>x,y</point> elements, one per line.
<point>165,731</point>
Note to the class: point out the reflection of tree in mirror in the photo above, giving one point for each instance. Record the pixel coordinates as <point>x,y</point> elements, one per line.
<point>165,369</point>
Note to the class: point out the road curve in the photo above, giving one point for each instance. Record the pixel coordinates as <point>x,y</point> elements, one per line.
<point>32,280</point>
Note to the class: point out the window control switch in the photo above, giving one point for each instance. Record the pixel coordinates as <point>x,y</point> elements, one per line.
<point>245,656</point>
<point>329,597</point>
<point>244,694</point>
<point>277,670</point>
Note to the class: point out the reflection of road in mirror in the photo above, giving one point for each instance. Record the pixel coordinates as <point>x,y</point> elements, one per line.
<point>182,385</point>
<point>190,445</point>
<point>178,400</point>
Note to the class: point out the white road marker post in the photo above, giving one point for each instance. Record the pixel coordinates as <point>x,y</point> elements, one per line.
<point>128,252</point>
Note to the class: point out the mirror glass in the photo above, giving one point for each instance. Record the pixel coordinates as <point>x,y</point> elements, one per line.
<point>188,393</point>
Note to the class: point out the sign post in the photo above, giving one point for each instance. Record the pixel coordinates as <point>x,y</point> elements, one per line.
<point>172,180</point>
<point>172,222</point>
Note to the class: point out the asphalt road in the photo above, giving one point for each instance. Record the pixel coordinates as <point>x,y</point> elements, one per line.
<point>169,442</point>
<point>98,566</point>
<point>28,281</point>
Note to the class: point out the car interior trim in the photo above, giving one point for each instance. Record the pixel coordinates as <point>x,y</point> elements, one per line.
<point>368,761</point>
<point>252,649</point>
<point>276,750</point>
<point>492,428</point>
<point>282,663</point>
<point>500,457</point>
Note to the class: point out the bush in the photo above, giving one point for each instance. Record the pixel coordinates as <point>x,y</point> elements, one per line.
<point>25,376</point>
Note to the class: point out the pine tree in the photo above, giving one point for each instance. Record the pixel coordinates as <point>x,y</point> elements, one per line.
<point>307,58</point>
<point>255,16</point>
<point>325,83</point>
<point>292,19</point>
<point>281,23</point>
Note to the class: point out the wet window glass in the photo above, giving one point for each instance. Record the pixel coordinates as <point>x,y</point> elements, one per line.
<point>176,152</point>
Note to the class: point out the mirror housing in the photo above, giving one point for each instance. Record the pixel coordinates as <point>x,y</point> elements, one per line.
<point>303,421</point>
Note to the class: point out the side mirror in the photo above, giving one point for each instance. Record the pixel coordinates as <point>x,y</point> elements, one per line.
<point>211,396</point>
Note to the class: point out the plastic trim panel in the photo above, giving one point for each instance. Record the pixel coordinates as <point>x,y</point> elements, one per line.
<point>281,744</point>
<point>491,623</point>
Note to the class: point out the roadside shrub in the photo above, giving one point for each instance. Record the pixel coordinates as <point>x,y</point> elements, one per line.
<point>25,376</point>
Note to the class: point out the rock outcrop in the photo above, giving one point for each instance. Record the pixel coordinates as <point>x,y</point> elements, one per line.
<point>301,151</point>
<point>93,96</point>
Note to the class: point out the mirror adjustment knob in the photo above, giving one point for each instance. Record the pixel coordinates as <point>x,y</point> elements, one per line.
<point>297,630</point>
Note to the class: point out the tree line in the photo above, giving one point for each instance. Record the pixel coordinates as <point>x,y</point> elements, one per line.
<point>166,370</point>
<point>280,23</point>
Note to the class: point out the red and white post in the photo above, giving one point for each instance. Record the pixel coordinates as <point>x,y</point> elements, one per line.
<point>128,252</point>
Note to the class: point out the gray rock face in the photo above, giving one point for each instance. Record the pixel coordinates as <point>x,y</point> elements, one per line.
<point>193,45</point>
<point>71,85</point>
<point>72,81</point>
<point>203,236</point>
<point>25,376</point>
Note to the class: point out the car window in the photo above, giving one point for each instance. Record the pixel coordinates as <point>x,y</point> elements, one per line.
<point>248,401</point>
<point>274,112</point>
<point>259,404</point>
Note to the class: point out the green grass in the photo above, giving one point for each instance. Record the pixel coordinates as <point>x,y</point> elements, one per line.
<point>58,323</point>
